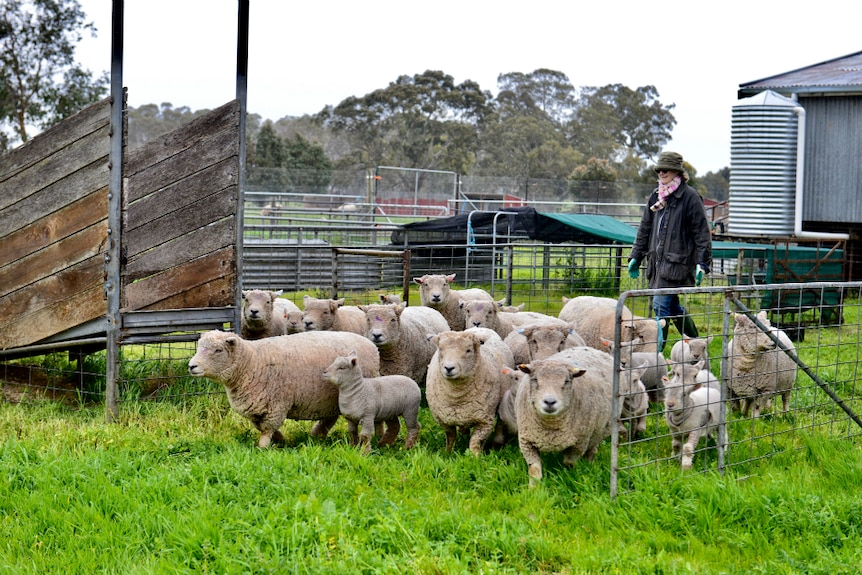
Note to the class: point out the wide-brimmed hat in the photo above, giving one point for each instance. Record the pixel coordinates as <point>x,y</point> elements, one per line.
<point>669,161</point>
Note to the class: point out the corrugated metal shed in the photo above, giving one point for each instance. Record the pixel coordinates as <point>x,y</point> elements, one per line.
<point>840,75</point>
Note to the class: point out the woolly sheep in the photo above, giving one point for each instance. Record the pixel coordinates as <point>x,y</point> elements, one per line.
<point>758,368</point>
<point>564,406</point>
<point>538,341</point>
<point>276,378</point>
<point>655,363</point>
<point>633,393</point>
<point>332,315</point>
<point>487,314</point>
<point>691,350</point>
<point>464,385</point>
<point>366,401</point>
<point>264,314</point>
<point>506,418</point>
<point>295,323</point>
<point>386,298</point>
<point>401,336</point>
<point>435,292</point>
<point>692,411</point>
<point>593,318</point>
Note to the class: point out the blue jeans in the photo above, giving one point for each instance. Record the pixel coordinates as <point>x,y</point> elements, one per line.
<point>667,306</point>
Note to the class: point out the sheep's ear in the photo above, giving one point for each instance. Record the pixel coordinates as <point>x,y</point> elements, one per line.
<point>305,298</point>
<point>525,367</point>
<point>278,292</point>
<point>339,302</point>
<point>419,281</point>
<point>432,337</point>
<point>500,303</point>
<point>244,294</point>
<point>565,299</point>
<point>521,330</point>
<point>506,371</point>
<point>709,339</point>
<point>450,278</point>
<point>363,307</point>
<point>576,371</point>
<point>399,307</point>
<point>231,341</point>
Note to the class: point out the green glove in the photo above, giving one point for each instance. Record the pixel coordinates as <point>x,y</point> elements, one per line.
<point>698,274</point>
<point>634,268</point>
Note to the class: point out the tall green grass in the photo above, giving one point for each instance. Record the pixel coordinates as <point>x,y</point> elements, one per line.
<point>179,487</point>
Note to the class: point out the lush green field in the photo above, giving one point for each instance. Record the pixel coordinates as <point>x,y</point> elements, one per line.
<point>179,487</point>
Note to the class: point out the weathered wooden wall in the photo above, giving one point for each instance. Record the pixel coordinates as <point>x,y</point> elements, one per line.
<point>53,225</point>
<point>180,216</point>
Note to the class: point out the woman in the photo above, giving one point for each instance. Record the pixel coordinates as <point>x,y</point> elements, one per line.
<point>674,236</point>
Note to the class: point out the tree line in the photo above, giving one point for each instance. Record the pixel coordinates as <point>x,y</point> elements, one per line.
<point>538,126</point>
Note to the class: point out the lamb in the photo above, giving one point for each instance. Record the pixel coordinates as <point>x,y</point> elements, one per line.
<point>401,336</point>
<point>481,313</point>
<point>276,378</point>
<point>634,399</point>
<point>506,418</point>
<point>264,314</point>
<point>692,411</point>
<point>295,323</point>
<point>593,318</point>
<point>758,368</point>
<point>332,315</point>
<point>366,401</point>
<point>691,350</point>
<point>389,298</point>
<point>435,292</point>
<point>464,386</point>
<point>655,363</point>
<point>564,405</point>
<point>538,341</point>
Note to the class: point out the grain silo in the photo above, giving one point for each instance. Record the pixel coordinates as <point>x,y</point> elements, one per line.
<point>763,154</point>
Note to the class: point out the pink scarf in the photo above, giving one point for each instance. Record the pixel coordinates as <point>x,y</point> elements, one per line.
<point>664,191</point>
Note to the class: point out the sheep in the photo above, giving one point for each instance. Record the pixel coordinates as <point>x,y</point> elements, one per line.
<point>264,314</point>
<point>758,369</point>
<point>655,363</point>
<point>464,385</point>
<point>633,393</point>
<point>481,313</point>
<point>389,298</point>
<point>295,323</point>
<point>691,350</point>
<point>366,401</point>
<point>332,315</point>
<point>506,418</point>
<point>692,411</point>
<point>401,336</point>
<point>435,292</point>
<point>593,318</point>
<point>276,378</point>
<point>538,341</point>
<point>564,405</point>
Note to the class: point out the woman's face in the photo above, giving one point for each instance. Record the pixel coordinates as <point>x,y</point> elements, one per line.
<point>666,176</point>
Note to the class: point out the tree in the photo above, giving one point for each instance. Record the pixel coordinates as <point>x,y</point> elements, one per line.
<point>543,93</point>
<point>293,163</point>
<point>40,83</point>
<point>717,184</point>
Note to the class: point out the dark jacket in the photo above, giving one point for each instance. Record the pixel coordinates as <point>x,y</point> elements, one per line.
<point>675,239</point>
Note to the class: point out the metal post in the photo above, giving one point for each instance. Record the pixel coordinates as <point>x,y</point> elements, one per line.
<point>242,96</point>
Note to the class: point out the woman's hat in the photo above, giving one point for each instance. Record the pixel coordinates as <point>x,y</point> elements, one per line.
<point>669,161</point>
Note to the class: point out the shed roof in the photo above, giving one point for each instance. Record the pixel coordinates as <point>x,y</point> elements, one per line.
<point>841,75</point>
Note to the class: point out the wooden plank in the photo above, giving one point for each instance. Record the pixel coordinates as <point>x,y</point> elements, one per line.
<point>53,227</point>
<point>225,117</point>
<point>185,248</point>
<point>48,291</point>
<point>90,149</point>
<point>147,292</point>
<point>217,293</point>
<point>48,321</point>
<point>181,193</point>
<point>174,225</point>
<point>54,258</point>
<point>211,150</point>
<point>91,119</point>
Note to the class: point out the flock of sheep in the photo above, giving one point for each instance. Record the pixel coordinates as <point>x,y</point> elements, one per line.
<point>487,370</point>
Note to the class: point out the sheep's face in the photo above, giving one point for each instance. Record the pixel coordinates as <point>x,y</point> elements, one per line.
<point>479,313</point>
<point>697,348</point>
<point>749,337</point>
<point>551,386</point>
<point>214,356</point>
<point>434,289</point>
<point>295,323</point>
<point>643,331</point>
<point>342,370</point>
<point>544,341</point>
<point>682,383</point>
<point>510,378</point>
<point>319,314</point>
<point>458,353</point>
<point>257,306</point>
<point>383,323</point>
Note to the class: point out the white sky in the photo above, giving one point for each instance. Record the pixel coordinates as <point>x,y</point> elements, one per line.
<point>304,55</point>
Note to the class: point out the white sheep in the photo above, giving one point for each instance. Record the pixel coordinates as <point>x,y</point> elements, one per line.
<point>295,323</point>
<point>276,378</point>
<point>691,350</point>
<point>332,315</point>
<point>758,368</point>
<point>367,401</point>
<point>464,385</point>
<point>401,336</point>
<point>655,363</point>
<point>386,298</point>
<point>264,314</point>
<point>487,314</point>
<point>538,341</point>
<point>436,292</point>
<point>692,411</point>
<point>634,405</point>
<point>506,418</point>
<point>594,317</point>
<point>564,406</point>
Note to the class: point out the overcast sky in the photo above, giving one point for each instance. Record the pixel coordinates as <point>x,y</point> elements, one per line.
<point>306,55</point>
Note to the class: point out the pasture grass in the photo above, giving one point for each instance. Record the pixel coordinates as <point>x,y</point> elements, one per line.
<point>179,487</point>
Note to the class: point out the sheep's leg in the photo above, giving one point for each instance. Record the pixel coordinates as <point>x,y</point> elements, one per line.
<point>322,427</point>
<point>393,427</point>
<point>640,428</point>
<point>481,432</point>
<point>785,401</point>
<point>451,435</point>
<point>676,444</point>
<point>570,456</point>
<point>499,435</point>
<point>265,438</point>
<point>534,461</point>
<point>277,437</point>
<point>689,447</point>
<point>353,431</point>
<point>412,435</point>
